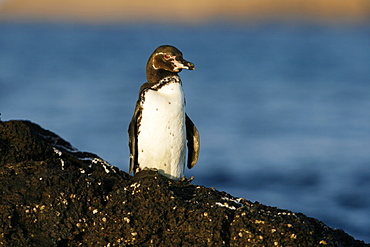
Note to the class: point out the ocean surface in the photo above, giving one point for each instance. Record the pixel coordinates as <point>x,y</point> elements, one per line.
<point>283,110</point>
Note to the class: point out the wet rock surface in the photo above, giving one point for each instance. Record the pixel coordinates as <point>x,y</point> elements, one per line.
<point>51,194</point>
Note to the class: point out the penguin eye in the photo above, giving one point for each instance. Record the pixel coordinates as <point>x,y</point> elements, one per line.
<point>166,56</point>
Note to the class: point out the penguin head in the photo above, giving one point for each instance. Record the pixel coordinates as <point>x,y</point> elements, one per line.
<point>169,58</point>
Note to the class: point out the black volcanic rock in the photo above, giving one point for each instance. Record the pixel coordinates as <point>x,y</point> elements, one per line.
<point>53,195</point>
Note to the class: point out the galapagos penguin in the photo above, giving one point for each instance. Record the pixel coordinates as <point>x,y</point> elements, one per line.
<point>160,129</point>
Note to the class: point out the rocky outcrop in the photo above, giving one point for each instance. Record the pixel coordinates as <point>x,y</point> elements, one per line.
<point>54,195</point>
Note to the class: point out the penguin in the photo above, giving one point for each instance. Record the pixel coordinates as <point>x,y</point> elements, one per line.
<point>160,129</point>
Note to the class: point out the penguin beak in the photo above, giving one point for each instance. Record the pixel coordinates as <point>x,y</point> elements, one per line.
<point>183,64</point>
<point>189,65</point>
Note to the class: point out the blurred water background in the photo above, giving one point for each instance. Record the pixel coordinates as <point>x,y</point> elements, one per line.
<point>283,109</point>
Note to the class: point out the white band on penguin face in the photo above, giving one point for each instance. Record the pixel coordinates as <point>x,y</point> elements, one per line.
<point>177,65</point>
<point>154,56</point>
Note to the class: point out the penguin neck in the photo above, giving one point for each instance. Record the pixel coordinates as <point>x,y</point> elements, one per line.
<point>154,76</point>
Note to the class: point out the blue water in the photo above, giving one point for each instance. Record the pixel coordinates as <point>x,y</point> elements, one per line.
<point>283,110</point>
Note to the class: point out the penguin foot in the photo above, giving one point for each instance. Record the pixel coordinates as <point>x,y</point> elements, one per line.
<point>150,169</point>
<point>186,180</point>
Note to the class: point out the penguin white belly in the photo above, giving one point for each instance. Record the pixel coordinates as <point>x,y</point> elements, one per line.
<point>162,131</point>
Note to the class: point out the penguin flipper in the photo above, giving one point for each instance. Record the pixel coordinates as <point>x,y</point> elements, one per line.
<point>192,135</point>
